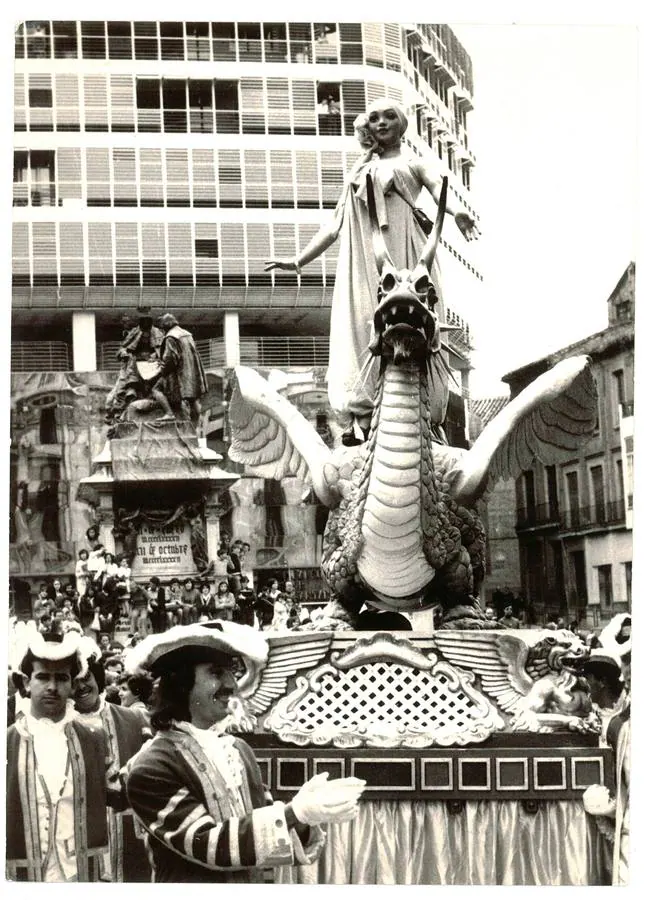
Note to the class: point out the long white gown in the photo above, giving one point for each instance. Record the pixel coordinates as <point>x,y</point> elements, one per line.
<point>352,390</point>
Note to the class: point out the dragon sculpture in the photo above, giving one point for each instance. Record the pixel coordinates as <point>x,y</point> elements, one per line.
<point>403,531</point>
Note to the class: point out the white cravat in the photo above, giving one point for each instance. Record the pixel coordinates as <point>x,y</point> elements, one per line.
<point>56,807</point>
<point>94,718</point>
<point>50,747</point>
<point>221,751</point>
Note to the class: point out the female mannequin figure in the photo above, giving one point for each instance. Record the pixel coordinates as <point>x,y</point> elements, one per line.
<point>396,174</point>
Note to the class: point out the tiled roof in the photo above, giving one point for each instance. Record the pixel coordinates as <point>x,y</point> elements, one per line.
<point>486,408</point>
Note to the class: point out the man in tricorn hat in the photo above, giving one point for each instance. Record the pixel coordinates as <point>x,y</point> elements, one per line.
<point>57,785</point>
<point>197,790</point>
<point>125,730</point>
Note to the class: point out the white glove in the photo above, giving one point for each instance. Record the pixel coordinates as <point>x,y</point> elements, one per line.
<point>319,800</point>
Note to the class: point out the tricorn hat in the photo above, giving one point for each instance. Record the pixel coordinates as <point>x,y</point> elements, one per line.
<point>220,640</point>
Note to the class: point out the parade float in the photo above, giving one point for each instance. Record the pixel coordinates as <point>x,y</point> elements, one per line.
<point>476,743</point>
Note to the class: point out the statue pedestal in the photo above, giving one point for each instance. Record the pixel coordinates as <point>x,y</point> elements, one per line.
<point>161,487</point>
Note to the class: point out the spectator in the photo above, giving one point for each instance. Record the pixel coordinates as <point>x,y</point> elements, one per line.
<point>508,620</point>
<point>224,602</point>
<point>55,593</point>
<point>112,694</point>
<point>205,609</point>
<point>221,563</point>
<point>81,572</point>
<point>89,612</point>
<point>108,601</point>
<point>190,595</point>
<point>265,604</point>
<point>123,575</point>
<point>281,611</point>
<point>173,604</point>
<point>156,605</point>
<point>45,623</point>
<point>293,604</point>
<point>234,569</point>
<point>110,567</point>
<point>135,692</point>
<point>603,674</point>
<point>245,609</point>
<point>42,604</point>
<point>138,616</point>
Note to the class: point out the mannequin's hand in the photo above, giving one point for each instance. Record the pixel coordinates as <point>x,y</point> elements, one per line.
<point>283,263</point>
<point>467,226</point>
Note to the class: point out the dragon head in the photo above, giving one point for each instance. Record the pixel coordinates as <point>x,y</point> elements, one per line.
<point>560,652</point>
<point>406,327</point>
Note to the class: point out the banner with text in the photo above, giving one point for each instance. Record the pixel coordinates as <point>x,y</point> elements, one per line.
<point>163,551</point>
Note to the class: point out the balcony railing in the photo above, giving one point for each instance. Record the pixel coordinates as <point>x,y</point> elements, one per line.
<point>266,352</point>
<point>537,516</point>
<point>40,356</point>
<point>612,513</point>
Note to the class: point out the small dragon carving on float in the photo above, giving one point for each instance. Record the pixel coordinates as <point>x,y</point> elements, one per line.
<point>403,531</point>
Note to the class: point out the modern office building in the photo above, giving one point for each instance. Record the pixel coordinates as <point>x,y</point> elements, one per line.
<point>574,521</point>
<point>158,164</point>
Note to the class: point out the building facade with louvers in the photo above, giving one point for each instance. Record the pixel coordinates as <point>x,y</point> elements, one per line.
<point>158,164</point>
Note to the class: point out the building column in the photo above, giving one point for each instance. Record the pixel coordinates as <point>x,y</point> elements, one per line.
<point>84,347</point>
<point>231,338</point>
<point>106,522</point>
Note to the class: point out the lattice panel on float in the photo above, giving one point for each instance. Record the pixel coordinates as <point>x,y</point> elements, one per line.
<point>384,693</point>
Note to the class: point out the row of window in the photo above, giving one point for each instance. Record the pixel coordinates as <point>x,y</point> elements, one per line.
<point>127,103</point>
<point>169,253</point>
<point>173,177</point>
<point>283,179</point>
<point>375,44</point>
<point>603,503</point>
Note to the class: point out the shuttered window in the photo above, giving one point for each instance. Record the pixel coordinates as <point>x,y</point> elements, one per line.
<point>68,173</point>
<point>179,253</point>
<point>71,253</point>
<point>256,178</point>
<point>303,97</point>
<point>230,181</point>
<point>66,101</point>
<point>44,253</point>
<point>152,188</point>
<point>154,253</point>
<point>20,112</point>
<point>96,103</point>
<point>100,253</point>
<point>127,254</point>
<point>204,192</point>
<point>20,254</point>
<point>253,104</point>
<point>278,106</point>
<point>207,250</point>
<point>177,178</point>
<point>98,187</point>
<point>122,103</point>
<point>124,178</point>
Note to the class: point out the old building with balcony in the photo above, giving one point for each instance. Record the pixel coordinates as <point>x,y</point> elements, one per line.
<point>574,521</point>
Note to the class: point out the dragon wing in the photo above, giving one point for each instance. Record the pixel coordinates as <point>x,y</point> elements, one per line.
<point>548,421</point>
<point>286,656</point>
<point>498,658</point>
<point>272,438</point>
